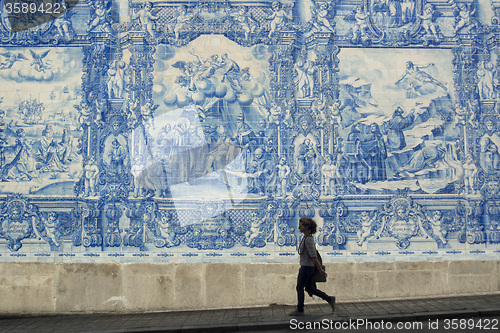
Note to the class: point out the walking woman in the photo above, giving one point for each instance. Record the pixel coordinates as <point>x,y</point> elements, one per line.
<point>308,262</point>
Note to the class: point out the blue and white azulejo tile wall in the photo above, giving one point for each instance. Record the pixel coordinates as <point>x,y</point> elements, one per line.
<point>201,131</point>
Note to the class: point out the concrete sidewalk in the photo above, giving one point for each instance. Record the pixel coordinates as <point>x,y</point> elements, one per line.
<point>273,317</point>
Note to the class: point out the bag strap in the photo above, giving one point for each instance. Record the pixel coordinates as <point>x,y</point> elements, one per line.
<point>300,245</point>
<point>303,241</point>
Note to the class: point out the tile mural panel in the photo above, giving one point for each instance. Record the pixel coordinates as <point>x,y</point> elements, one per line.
<point>201,131</point>
<point>40,129</point>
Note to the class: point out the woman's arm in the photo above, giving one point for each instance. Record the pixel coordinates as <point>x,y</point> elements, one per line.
<point>318,266</point>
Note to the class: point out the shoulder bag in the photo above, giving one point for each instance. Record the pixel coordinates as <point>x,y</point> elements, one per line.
<point>318,277</point>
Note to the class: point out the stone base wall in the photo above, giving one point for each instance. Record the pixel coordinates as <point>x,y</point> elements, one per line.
<point>35,288</point>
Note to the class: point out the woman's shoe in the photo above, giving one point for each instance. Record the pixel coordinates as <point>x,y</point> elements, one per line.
<point>332,303</point>
<point>296,313</point>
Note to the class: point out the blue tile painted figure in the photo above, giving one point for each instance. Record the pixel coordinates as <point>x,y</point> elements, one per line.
<point>244,20</point>
<point>428,22</point>
<point>279,17</point>
<point>395,127</point>
<point>146,18</point>
<point>184,129</point>
<point>100,17</point>
<point>489,158</point>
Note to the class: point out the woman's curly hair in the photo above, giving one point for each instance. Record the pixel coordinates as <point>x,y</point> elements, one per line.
<point>310,224</point>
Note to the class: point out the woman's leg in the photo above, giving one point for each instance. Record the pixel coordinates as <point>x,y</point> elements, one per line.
<point>305,274</point>
<point>311,289</point>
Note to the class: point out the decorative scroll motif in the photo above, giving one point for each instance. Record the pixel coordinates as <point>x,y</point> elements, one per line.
<point>402,219</point>
<point>19,220</point>
<point>87,229</point>
<point>333,231</point>
<point>472,230</point>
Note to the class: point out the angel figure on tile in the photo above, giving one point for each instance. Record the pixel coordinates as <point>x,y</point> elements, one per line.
<point>427,20</point>
<point>279,17</point>
<point>367,222</point>
<point>435,220</point>
<point>321,18</point>
<point>470,173</point>
<point>245,20</point>
<point>100,17</point>
<point>146,18</point>
<point>283,173</point>
<point>464,16</point>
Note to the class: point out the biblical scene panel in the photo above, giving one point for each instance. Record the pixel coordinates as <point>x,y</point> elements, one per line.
<point>40,122</point>
<point>212,97</point>
<point>397,122</point>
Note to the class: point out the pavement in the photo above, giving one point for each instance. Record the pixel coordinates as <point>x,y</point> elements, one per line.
<point>273,317</point>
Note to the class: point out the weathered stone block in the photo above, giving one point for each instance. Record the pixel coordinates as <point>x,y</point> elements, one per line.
<point>283,289</point>
<point>340,267</point>
<point>409,283</point>
<point>269,283</point>
<point>256,292</point>
<point>471,267</point>
<point>223,285</point>
<point>27,287</point>
<point>352,285</point>
<point>89,287</point>
<point>374,266</point>
<point>26,274</point>
<point>28,299</point>
<point>420,265</point>
<point>471,284</point>
<point>188,286</point>
<point>260,270</point>
<point>148,287</point>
